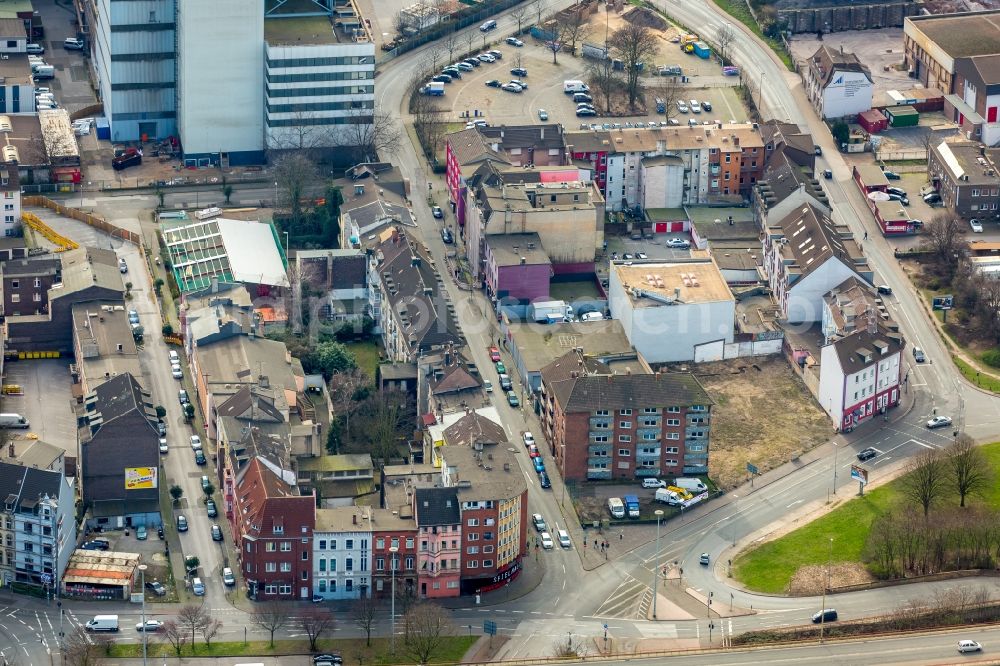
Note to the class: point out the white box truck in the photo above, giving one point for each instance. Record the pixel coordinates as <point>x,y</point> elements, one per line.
<point>103,623</point>
<point>549,312</point>
<point>668,497</point>
<point>690,484</point>
<point>616,507</point>
<point>11,420</point>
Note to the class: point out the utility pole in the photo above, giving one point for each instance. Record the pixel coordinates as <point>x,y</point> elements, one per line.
<point>656,558</point>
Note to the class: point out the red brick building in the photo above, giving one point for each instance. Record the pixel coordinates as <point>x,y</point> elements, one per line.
<point>272,527</point>
<point>591,148</point>
<point>391,530</point>
<point>600,425</point>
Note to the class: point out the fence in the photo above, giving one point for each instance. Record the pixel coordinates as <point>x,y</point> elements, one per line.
<point>86,218</point>
<point>458,22</point>
<point>912,154</point>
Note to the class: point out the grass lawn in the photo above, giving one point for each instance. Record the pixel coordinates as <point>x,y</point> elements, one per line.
<point>352,649</point>
<point>982,381</point>
<point>769,568</point>
<point>366,354</point>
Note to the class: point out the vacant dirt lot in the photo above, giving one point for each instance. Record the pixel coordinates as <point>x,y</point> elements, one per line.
<point>809,580</point>
<point>763,414</point>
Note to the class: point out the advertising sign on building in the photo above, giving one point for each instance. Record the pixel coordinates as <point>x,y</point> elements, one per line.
<point>140,478</point>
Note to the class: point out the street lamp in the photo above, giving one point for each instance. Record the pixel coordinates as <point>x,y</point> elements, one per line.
<point>392,565</point>
<point>835,468</point>
<point>142,590</point>
<point>275,194</point>
<point>826,584</point>
<point>656,557</point>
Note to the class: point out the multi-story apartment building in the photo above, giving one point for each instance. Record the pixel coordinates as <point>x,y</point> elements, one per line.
<point>716,164</point>
<point>319,80</point>
<point>439,542</point>
<point>405,298</point>
<point>601,425</point>
<point>849,306</point>
<point>342,553</point>
<point>592,149</point>
<point>493,498</point>
<point>37,527</point>
<point>860,375</point>
<point>394,551</point>
<point>26,282</point>
<point>806,254</point>
<point>967,176</point>
<point>133,46</point>
<point>10,191</point>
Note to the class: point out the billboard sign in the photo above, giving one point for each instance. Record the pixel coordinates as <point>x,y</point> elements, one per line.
<point>942,302</point>
<point>140,478</point>
<point>859,474</point>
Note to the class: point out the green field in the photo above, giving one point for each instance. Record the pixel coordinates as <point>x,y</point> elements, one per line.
<point>986,382</point>
<point>367,356</point>
<point>353,649</point>
<point>769,567</point>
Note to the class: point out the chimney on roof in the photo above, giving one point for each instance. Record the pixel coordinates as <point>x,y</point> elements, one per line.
<point>658,375</point>
<point>541,133</point>
<point>10,449</point>
<point>354,518</point>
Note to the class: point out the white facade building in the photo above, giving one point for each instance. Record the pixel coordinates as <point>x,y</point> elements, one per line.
<point>805,256</point>
<point>837,83</point>
<point>320,81</point>
<point>220,81</point>
<point>673,311</point>
<point>10,186</point>
<point>859,376</point>
<point>342,553</point>
<point>661,182</point>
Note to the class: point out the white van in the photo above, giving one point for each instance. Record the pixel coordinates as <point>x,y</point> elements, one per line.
<point>43,72</point>
<point>103,623</point>
<point>690,484</point>
<point>616,507</point>
<point>977,226</point>
<point>573,86</point>
<point>197,587</point>
<point>11,420</point>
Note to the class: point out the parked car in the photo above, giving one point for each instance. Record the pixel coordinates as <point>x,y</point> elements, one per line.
<point>976,225</point>
<point>533,451</point>
<point>73,44</point>
<point>544,481</point>
<point>681,106</point>
<point>488,386</point>
<point>867,454</point>
<point>182,524</point>
<point>182,397</point>
<point>211,509</point>
<point>514,41</point>
<point>512,87</point>
<point>176,372</point>
<point>543,114</point>
<point>891,175</point>
<point>519,71</point>
<point>583,98</point>
<point>932,199</point>
<point>546,540</point>
<point>501,368</point>
<point>529,439</point>
<point>453,72</point>
<point>496,53</point>
<point>896,190</point>
<point>446,236</point>
<point>828,174</point>
<point>163,445</point>
<point>199,457</point>
<point>494,354</point>
<point>539,465</point>
<point>157,588</point>
<point>512,399</point>
<point>140,533</point>
<point>197,587</point>
<point>161,428</point>
<point>518,82</point>
<point>884,289</point>
<point>678,243</point>
<point>441,78</point>
<point>122,266</point>
<point>437,212</point>
<point>653,483</point>
<point>195,442</point>
<point>580,113</point>
<point>216,533</point>
<point>494,83</point>
<point>706,105</point>
<point>36,49</point>
<point>486,57</point>
<point>505,382</point>
<point>939,422</point>
<point>472,62</point>
<point>901,199</point>
<point>228,579</point>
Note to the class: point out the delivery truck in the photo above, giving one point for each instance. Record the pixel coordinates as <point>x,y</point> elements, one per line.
<point>632,506</point>
<point>668,497</point>
<point>549,311</point>
<point>433,88</point>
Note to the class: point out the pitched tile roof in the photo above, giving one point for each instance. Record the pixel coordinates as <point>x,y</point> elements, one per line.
<point>436,506</point>
<point>589,142</point>
<point>453,378</point>
<point>542,137</point>
<point>813,237</point>
<point>592,392</point>
<point>121,395</point>
<point>782,177</point>
<point>469,146</point>
<point>865,346</point>
<point>828,60</point>
<point>263,500</point>
<point>21,486</point>
<point>474,428</point>
<point>251,403</point>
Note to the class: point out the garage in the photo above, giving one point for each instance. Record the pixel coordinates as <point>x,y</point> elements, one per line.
<point>668,227</point>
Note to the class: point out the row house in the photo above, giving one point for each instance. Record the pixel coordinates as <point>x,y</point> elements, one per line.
<point>717,163</point>
<point>342,554</point>
<point>439,542</point>
<point>806,254</point>
<point>860,375</point>
<point>593,150</point>
<point>394,552</point>
<point>602,425</point>
<point>38,525</point>
<point>785,186</point>
<point>406,298</point>
<point>849,307</point>
<point>967,176</point>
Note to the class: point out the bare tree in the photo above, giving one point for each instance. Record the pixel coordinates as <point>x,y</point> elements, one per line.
<point>668,91</point>
<point>519,15</point>
<point>381,417</point>
<point>210,629</point>
<point>270,617</point>
<point>344,387</point>
<point>427,628</point>
<point>399,24</point>
<point>970,470</point>
<point>724,38</point>
<point>926,480</point>
<point>428,123</point>
<point>365,611</point>
<point>536,7</point>
<point>555,29</point>
<point>295,174</point>
<point>316,622</point>
<point>633,44</point>
<point>194,618</point>
<point>78,650</point>
<point>576,28</point>
<point>450,44</point>
<point>375,135</point>
<point>470,38</point>
<point>174,634</point>
<point>604,82</point>
<point>944,238</point>
<point>986,315</point>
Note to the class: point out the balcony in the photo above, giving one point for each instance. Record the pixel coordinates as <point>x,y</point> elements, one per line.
<point>650,435</point>
<point>600,422</point>
<point>599,474</point>
<point>655,456</point>
<point>690,436</point>
<point>700,457</point>
<point>646,471</point>
<point>650,420</point>
<point>598,460</point>
<point>600,433</point>
<point>599,449</point>
<point>700,418</point>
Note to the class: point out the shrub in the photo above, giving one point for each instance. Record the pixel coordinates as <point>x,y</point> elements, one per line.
<point>991,357</point>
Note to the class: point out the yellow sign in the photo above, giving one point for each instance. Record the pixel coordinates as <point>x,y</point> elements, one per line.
<point>140,478</point>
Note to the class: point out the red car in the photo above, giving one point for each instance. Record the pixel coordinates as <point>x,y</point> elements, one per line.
<point>494,354</point>
<point>533,451</point>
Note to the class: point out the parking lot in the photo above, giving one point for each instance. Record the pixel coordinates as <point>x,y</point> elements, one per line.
<point>47,402</point>
<point>470,96</point>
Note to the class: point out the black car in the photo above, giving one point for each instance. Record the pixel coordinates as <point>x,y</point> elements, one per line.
<point>494,83</point>
<point>543,478</point>
<point>328,659</point>
<point>825,615</point>
<point>446,237</point>
<point>867,454</point>
<point>891,175</point>
<point>159,532</point>
<point>96,544</point>
<point>519,71</point>
<point>199,457</point>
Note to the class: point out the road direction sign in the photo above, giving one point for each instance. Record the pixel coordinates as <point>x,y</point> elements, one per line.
<point>47,579</point>
<point>751,468</point>
<point>490,627</point>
